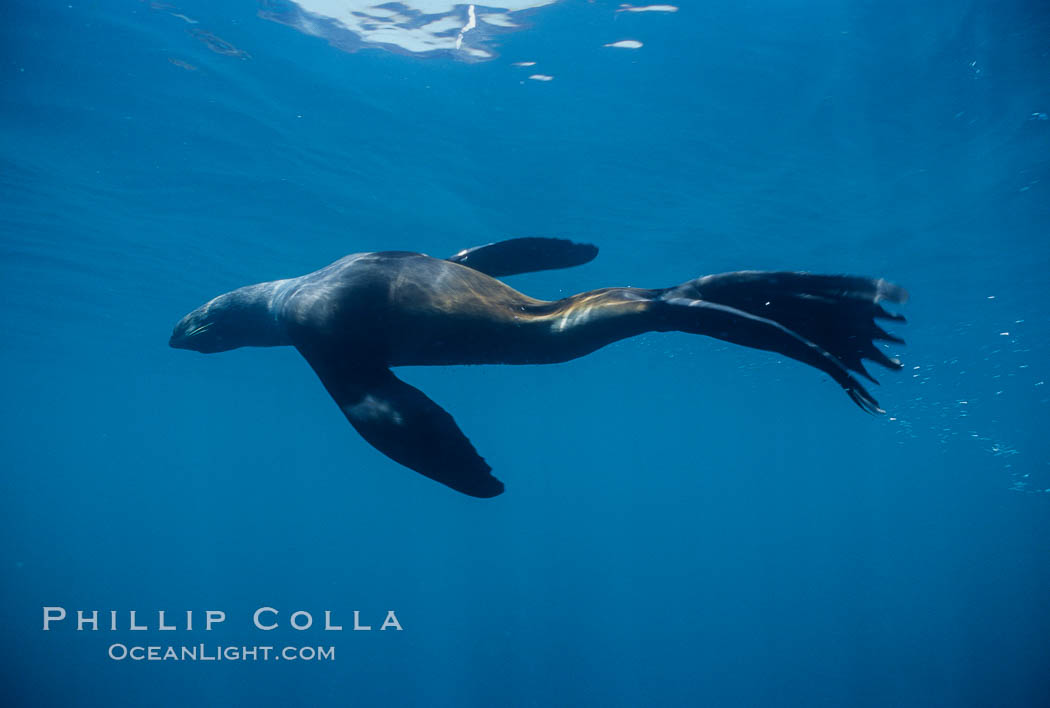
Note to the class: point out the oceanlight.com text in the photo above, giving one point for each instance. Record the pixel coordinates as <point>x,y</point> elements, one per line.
<point>203,652</point>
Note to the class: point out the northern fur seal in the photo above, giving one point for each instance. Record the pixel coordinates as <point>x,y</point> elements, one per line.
<point>367,312</point>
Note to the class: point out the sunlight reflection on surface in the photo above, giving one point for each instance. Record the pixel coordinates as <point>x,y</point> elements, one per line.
<point>418,27</point>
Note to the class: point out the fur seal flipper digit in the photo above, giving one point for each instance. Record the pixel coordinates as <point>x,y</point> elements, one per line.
<point>355,319</point>
<point>525,255</point>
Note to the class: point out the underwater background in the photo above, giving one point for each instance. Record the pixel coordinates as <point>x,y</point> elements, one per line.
<point>686,522</point>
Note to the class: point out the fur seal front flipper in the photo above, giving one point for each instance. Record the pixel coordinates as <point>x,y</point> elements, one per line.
<point>400,421</point>
<point>525,255</point>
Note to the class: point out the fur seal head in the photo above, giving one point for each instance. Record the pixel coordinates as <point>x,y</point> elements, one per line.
<point>242,318</point>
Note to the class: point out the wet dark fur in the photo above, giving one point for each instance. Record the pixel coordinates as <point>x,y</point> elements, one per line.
<point>366,313</point>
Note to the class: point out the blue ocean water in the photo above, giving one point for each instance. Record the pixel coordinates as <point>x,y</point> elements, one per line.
<point>686,522</point>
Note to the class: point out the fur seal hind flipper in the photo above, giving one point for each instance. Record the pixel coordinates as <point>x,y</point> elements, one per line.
<point>739,327</point>
<point>836,312</point>
<point>525,255</point>
<point>403,424</point>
